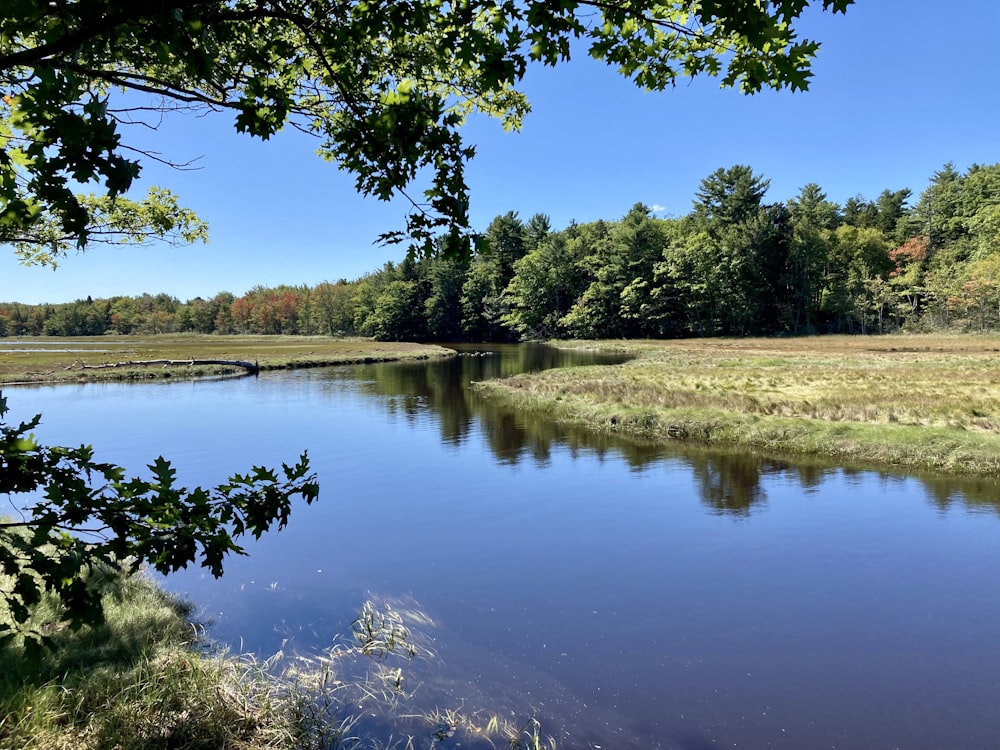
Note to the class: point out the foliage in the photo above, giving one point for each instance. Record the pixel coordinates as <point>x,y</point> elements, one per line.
<point>735,264</point>
<point>384,87</point>
<point>443,305</point>
<point>545,282</point>
<point>729,196</point>
<point>75,518</point>
<point>396,316</point>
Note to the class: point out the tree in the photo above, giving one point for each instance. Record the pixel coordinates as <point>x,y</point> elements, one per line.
<point>907,278</point>
<point>981,293</point>
<point>624,260</point>
<point>443,306</point>
<point>366,295</point>
<point>981,209</point>
<point>857,258</point>
<point>689,280</point>
<point>398,313</point>
<point>940,207</point>
<point>813,220</point>
<point>859,213</point>
<point>545,283</point>
<point>483,306</point>
<point>538,227</point>
<point>385,88</point>
<point>748,246</point>
<point>729,196</point>
<point>333,308</point>
<point>891,209</point>
<point>504,243</point>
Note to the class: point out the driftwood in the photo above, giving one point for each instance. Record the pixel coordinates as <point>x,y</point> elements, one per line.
<point>248,366</point>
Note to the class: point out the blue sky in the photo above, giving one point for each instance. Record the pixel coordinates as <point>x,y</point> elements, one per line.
<point>900,88</point>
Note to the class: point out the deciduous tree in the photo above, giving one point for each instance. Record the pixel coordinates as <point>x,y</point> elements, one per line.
<point>385,88</point>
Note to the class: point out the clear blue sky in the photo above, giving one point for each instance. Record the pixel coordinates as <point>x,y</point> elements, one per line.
<point>900,88</point>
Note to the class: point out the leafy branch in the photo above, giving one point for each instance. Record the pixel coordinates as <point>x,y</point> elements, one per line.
<point>385,86</point>
<point>76,518</point>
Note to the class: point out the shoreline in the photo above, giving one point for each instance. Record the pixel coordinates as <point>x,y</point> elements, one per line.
<point>917,403</point>
<point>59,360</point>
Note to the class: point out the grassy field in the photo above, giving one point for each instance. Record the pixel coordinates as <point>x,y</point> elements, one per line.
<point>920,402</point>
<point>54,360</point>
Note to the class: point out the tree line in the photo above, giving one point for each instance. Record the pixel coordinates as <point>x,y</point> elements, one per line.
<point>735,265</point>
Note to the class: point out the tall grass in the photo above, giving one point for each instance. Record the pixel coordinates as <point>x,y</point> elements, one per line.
<point>136,682</point>
<point>145,681</point>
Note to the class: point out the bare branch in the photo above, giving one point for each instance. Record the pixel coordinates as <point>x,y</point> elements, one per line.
<point>184,166</point>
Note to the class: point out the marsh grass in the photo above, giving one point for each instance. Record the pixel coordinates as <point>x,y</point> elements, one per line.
<point>399,692</point>
<point>53,360</point>
<point>138,682</point>
<point>145,681</point>
<point>929,402</point>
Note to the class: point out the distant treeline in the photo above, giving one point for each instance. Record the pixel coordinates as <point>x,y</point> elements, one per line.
<point>735,265</point>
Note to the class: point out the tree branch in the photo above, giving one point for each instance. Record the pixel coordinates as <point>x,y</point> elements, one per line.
<point>36,55</point>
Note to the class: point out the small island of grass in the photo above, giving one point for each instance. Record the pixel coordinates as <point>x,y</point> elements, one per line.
<point>79,359</point>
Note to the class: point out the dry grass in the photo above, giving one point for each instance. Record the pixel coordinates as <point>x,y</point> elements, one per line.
<point>922,401</point>
<point>52,360</point>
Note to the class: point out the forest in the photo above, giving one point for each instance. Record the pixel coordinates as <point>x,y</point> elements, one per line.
<point>735,265</point>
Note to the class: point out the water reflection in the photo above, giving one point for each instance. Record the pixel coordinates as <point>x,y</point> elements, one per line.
<point>631,595</point>
<point>729,483</point>
<point>440,389</point>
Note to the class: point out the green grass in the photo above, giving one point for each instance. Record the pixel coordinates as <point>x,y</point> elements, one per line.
<point>134,683</point>
<point>55,360</point>
<point>919,402</point>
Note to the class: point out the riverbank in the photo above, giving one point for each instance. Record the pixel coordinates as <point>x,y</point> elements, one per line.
<point>914,402</point>
<point>144,681</point>
<point>62,360</point>
<point>136,683</point>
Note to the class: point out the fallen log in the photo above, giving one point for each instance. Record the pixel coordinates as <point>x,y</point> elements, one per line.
<point>251,367</point>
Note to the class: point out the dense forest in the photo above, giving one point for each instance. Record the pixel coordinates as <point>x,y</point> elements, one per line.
<point>735,265</point>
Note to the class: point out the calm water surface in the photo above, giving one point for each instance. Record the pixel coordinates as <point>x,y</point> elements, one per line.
<point>627,596</point>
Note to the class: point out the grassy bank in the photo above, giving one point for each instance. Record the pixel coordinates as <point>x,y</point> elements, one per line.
<point>54,360</point>
<point>918,402</point>
<point>140,682</point>
<point>136,684</point>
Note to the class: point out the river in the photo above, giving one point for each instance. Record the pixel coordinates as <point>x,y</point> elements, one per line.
<point>625,595</point>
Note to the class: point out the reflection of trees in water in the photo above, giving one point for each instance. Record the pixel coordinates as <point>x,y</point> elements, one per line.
<point>974,493</point>
<point>439,388</point>
<point>729,483</point>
